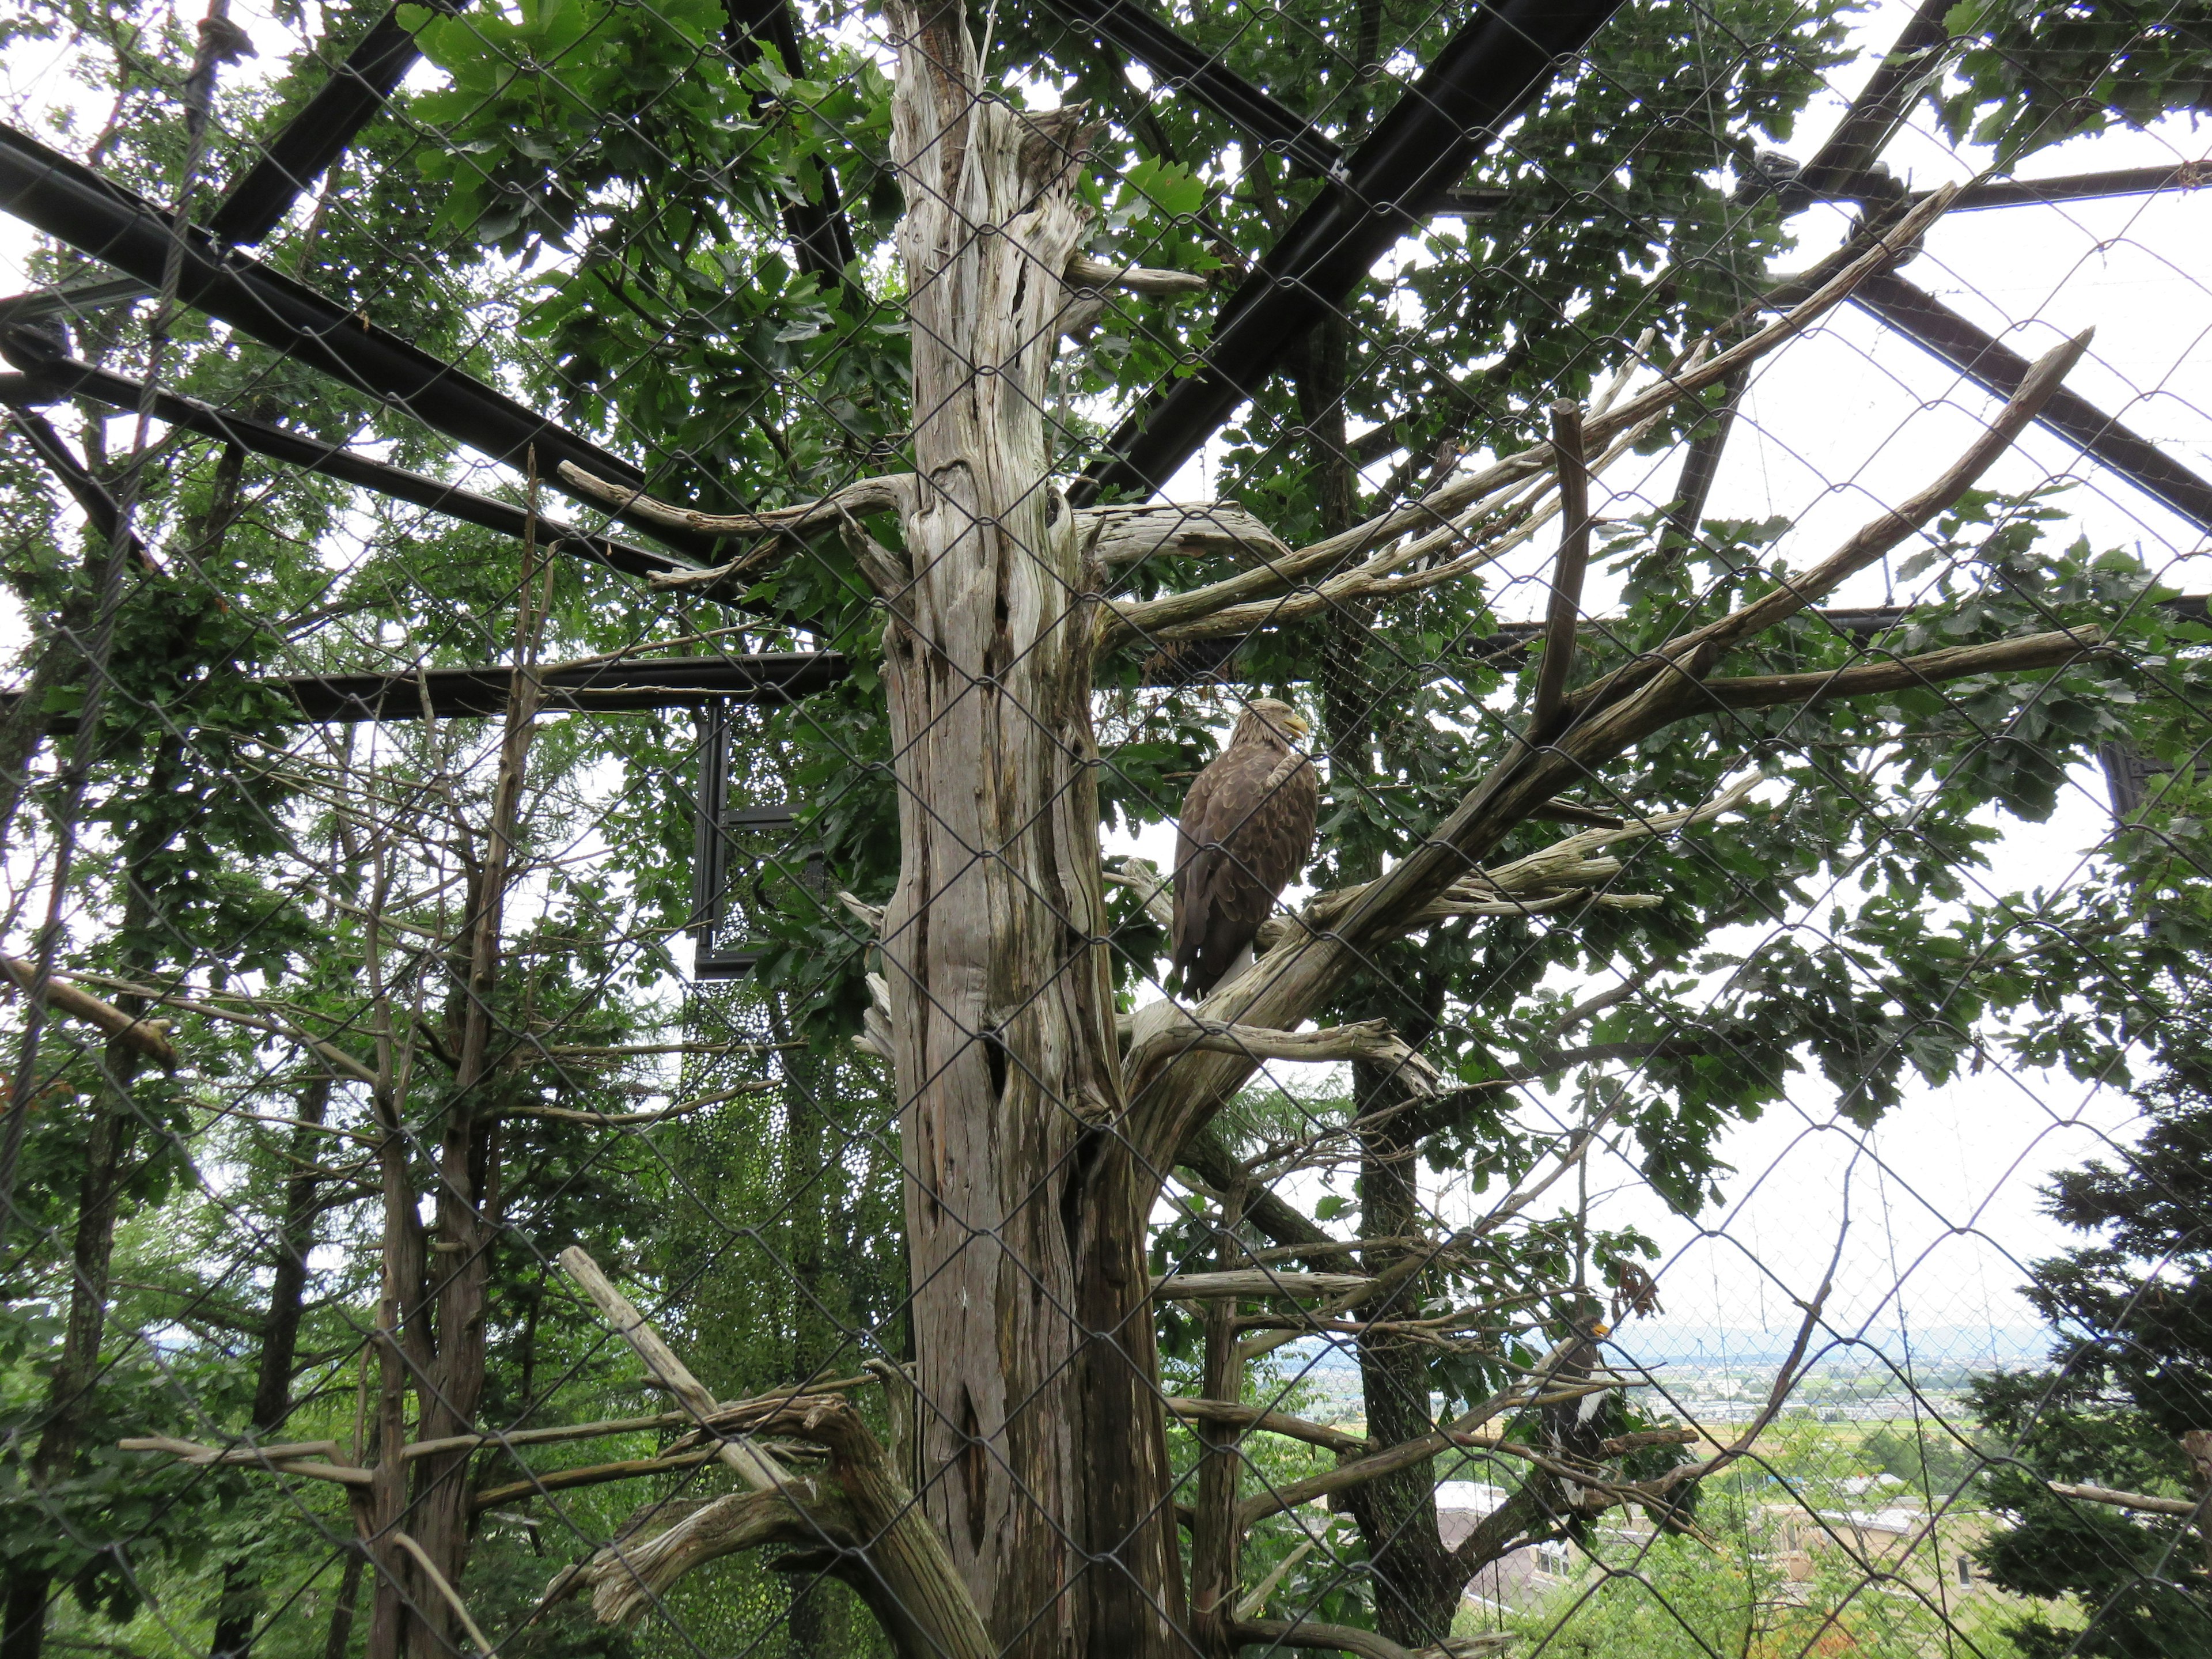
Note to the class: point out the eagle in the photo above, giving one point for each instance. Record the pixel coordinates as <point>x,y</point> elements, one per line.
<point>1247,828</point>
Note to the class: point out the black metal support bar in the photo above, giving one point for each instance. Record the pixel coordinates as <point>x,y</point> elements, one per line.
<point>88,492</point>
<point>2082,186</point>
<point>1875,115</point>
<point>1926,320</point>
<point>69,201</point>
<point>308,144</point>
<point>592,689</point>
<point>1488,72</point>
<point>49,379</point>
<point>595,689</point>
<point>820,234</point>
<point>1181,67</point>
<point>69,299</point>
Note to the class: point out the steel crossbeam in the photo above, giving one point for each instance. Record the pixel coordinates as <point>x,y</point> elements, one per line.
<point>49,379</point>
<point>1183,68</point>
<point>69,201</point>
<point>1484,76</point>
<point>645,683</point>
<point>1929,323</point>
<point>820,234</point>
<point>311,143</point>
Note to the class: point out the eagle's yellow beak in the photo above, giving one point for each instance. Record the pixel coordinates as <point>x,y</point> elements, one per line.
<point>1300,728</point>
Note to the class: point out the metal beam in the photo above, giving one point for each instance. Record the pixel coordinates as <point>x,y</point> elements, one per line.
<point>307,145</point>
<point>1995,366</point>
<point>90,495</point>
<point>1875,115</point>
<point>69,201</point>
<point>1487,73</point>
<point>67,301</point>
<point>821,235</point>
<point>50,379</point>
<point>592,689</point>
<point>2082,186</point>
<point>1181,67</point>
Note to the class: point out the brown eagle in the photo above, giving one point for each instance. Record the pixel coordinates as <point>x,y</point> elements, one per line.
<point>1247,828</point>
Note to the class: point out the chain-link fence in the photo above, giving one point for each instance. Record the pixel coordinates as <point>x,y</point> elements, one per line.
<point>1076,831</point>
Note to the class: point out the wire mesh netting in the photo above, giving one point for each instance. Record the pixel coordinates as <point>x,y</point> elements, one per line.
<point>1072,832</point>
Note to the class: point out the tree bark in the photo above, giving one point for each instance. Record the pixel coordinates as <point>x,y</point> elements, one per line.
<point>107,1149</point>
<point>280,1345</point>
<point>1418,1584</point>
<point>1045,1457</point>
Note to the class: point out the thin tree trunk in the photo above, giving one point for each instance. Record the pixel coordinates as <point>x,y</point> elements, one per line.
<point>1217,1542</point>
<point>468,1165</point>
<point>108,1143</point>
<point>339,1637</point>
<point>280,1345</point>
<point>1045,1453</point>
<point>1397,1514</point>
<point>1418,1583</point>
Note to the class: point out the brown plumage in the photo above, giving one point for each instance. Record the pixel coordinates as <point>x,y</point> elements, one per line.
<point>1248,829</point>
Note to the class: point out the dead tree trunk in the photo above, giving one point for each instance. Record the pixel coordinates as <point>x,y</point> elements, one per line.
<point>1045,1448</point>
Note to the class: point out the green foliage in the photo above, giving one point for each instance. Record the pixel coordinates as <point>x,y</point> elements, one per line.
<point>2034,75</point>
<point>2130,1373</point>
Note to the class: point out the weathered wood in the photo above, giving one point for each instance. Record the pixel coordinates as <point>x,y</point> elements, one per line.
<point>1872,540</point>
<point>1085,270</point>
<point>1292,982</point>
<point>1363,1643</point>
<point>2128,1500</point>
<point>1163,1028</point>
<point>888,1550</point>
<point>1118,537</point>
<point>278,1459</point>
<point>1244,1283</point>
<point>589,1475</point>
<point>149,1037</point>
<point>1446,502</point>
<point>1191,1410</point>
<point>1024,1206</point>
<point>748,1462</point>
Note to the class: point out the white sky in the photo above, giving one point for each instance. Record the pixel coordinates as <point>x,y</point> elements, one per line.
<point>1941,1197</point>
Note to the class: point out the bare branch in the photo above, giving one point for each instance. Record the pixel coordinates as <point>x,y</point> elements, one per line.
<point>336,1057</point>
<point>1567,571</point>
<point>627,1578</point>
<point>2030,652</point>
<point>2186,1507</point>
<point>1245,1283</point>
<point>1529,1392</point>
<point>1364,1644</point>
<point>1442,505</point>
<point>1566,863</point>
<point>609,1120</point>
<point>1085,270</point>
<point>1872,540</point>
<point>1120,536</point>
<point>1172,1030</point>
<point>149,1037</point>
<point>188,1452</point>
<point>1193,1410</point>
<point>750,1465</point>
<point>591,1474</point>
<point>444,1587</point>
<point>1151,888</point>
<point>602,1429</point>
<point>893,493</point>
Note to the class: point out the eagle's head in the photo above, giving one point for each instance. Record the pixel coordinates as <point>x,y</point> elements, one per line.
<point>1273,722</point>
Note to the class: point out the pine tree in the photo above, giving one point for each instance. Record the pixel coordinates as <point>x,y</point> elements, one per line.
<point>2130,1375</point>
